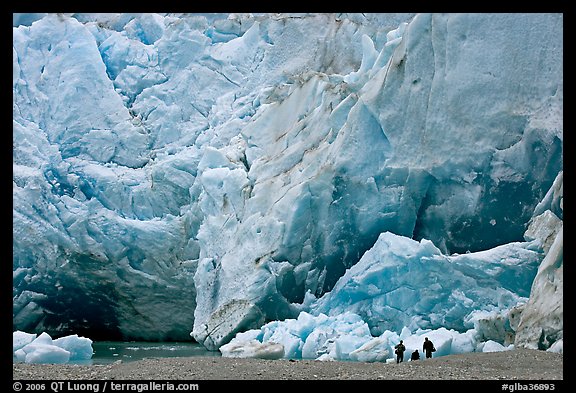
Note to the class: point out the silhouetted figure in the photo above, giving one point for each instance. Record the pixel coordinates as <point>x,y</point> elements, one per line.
<point>415,355</point>
<point>428,347</point>
<point>399,351</point>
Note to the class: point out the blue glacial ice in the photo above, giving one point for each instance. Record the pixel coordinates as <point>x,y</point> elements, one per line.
<point>347,337</point>
<point>29,348</point>
<point>401,282</point>
<point>409,287</point>
<point>181,176</point>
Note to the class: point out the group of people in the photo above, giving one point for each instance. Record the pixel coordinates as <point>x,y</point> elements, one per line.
<point>427,348</point>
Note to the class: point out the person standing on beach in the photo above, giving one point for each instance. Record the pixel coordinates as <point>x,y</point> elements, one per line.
<point>428,348</point>
<point>399,351</point>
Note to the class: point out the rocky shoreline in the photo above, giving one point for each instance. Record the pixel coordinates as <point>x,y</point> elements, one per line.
<point>514,365</point>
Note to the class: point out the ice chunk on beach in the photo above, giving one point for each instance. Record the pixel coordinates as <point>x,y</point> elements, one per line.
<point>253,349</point>
<point>21,339</point>
<point>374,350</point>
<point>307,337</point>
<point>493,346</point>
<point>80,348</point>
<point>347,337</point>
<point>43,349</point>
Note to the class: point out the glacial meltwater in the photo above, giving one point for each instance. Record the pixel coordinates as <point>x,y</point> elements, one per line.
<point>111,351</point>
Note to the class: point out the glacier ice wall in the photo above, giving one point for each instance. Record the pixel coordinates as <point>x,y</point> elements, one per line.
<point>204,172</point>
<point>112,114</point>
<point>539,324</point>
<point>426,143</point>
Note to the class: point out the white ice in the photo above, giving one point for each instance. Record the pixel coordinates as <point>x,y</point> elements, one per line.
<point>347,337</point>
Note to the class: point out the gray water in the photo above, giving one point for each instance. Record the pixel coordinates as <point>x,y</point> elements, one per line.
<point>112,351</point>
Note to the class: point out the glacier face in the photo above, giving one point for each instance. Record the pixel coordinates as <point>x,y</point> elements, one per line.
<point>177,173</point>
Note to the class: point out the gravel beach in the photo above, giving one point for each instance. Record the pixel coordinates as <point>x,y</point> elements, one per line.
<point>519,364</point>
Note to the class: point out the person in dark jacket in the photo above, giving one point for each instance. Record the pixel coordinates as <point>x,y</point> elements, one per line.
<point>399,351</point>
<point>415,355</point>
<point>428,348</point>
